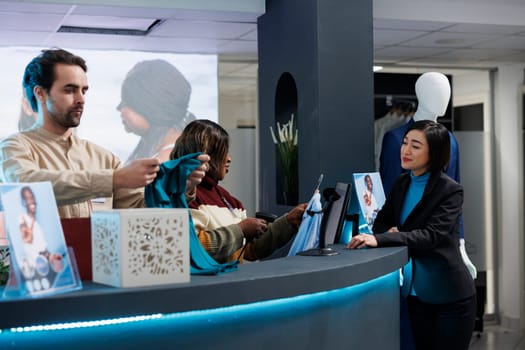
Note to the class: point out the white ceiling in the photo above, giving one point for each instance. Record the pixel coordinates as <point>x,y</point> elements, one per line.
<point>460,34</point>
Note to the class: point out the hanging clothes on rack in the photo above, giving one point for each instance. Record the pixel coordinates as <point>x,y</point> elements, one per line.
<point>400,113</point>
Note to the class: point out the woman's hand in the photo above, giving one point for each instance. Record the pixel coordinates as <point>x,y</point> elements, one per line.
<point>253,227</point>
<point>295,216</point>
<point>197,175</point>
<point>362,240</point>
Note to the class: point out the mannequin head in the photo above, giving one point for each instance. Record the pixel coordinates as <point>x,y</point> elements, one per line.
<point>433,94</point>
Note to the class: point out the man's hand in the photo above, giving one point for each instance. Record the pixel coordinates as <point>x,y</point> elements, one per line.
<point>139,173</point>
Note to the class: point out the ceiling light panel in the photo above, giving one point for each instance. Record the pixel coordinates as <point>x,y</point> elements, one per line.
<point>94,42</point>
<point>108,22</point>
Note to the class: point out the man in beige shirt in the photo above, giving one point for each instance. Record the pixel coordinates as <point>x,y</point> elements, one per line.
<point>56,84</point>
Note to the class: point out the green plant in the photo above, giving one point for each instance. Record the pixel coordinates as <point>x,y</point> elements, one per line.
<point>287,151</point>
<point>4,267</point>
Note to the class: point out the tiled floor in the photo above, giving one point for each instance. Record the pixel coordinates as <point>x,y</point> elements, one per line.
<point>497,338</point>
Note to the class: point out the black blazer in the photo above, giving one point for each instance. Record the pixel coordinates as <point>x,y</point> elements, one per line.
<point>431,233</point>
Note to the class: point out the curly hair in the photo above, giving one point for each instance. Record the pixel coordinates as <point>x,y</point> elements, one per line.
<point>204,136</point>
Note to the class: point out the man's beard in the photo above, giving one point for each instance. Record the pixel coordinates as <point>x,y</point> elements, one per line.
<point>69,120</point>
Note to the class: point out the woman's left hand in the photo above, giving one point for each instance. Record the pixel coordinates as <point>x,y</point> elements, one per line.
<point>295,216</point>
<point>362,240</point>
<point>197,175</point>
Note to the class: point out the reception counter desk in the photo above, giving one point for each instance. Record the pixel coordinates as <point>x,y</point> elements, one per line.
<point>350,301</point>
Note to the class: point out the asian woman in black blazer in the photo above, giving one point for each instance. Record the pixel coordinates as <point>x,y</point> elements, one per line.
<point>422,212</point>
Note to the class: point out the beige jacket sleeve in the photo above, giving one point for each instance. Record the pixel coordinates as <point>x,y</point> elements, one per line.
<point>21,162</point>
<point>77,175</point>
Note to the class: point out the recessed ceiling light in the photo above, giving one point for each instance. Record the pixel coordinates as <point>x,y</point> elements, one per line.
<point>108,25</point>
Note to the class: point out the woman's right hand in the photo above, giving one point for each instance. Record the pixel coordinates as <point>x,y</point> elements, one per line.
<point>253,227</point>
<point>362,240</point>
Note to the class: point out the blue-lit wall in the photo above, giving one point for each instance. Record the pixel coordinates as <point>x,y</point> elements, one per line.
<point>339,319</point>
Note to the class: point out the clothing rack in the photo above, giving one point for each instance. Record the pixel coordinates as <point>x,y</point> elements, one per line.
<point>384,103</point>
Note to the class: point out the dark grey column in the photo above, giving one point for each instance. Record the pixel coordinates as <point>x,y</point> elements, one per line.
<point>325,47</point>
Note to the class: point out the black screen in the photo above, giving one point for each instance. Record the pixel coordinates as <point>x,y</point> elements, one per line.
<point>337,214</point>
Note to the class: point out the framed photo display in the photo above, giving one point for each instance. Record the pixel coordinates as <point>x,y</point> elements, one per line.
<point>40,261</point>
<point>371,196</point>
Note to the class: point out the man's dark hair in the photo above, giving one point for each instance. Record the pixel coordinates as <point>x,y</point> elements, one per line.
<point>41,71</point>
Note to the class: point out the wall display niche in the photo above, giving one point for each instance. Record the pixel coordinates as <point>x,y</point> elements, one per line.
<point>286,141</point>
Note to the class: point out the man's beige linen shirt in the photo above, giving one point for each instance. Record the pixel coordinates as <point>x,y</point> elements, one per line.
<point>78,170</point>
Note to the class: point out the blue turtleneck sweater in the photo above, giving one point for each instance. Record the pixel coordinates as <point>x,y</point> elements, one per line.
<point>414,194</point>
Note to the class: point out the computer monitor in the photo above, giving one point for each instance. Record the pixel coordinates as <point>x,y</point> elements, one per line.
<point>336,215</point>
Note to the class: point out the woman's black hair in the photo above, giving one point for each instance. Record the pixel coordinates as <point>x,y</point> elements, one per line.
<point>366,178</point>
<point>438,140</point>
<point>22,191</point>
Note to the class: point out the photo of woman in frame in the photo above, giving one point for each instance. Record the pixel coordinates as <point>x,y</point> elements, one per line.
<point>40,258</point>
<point>370,194</point>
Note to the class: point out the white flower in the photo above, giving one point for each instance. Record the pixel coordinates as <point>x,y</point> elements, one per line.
<point>286,133</point>
<point>285,137</point>
<point>273,135</point>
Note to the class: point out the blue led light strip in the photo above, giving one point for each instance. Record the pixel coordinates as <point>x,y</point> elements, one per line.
<point>236,311</point>
<point>82,324</point>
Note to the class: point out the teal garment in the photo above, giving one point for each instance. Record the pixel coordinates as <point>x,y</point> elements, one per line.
<point>168,191</point>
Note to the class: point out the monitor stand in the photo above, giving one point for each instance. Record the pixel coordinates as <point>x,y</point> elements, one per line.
<point>319,252</point>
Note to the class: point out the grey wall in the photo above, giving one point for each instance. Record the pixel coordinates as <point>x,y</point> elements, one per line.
<point>472,164</point>
<point>327,48</point>
<point>240,180</point>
